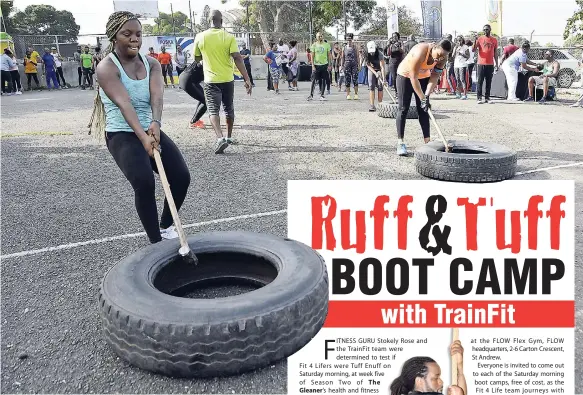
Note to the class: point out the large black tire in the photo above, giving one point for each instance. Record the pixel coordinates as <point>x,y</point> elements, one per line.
<point>183,337</point>
<point>496,163</point>
<point>390,110</point>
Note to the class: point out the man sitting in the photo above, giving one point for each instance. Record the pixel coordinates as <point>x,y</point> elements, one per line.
<point>550,70</point>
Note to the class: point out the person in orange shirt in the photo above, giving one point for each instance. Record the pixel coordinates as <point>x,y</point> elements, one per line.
<point>487,47</point>
<point>165,60</point>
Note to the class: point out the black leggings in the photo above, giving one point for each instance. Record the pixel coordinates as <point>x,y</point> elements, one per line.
<point>393,66</point>
<point>405,92</point>
<point>133,160</point>
<point>192,86</point>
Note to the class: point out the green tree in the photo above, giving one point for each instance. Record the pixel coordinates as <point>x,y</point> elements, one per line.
<point>163,25</point>
<point>41,19</point>
<point>7,7</point>
<point>274,18</point>
<point>408,23</point>
<point>574,27</point>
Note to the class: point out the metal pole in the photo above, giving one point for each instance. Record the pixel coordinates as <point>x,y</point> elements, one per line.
<point>248,29</point>
<point>57,42</point>
<point>191,19</point>
<point>311,24</point>
<point>344,6</point>
<point>173,27</point>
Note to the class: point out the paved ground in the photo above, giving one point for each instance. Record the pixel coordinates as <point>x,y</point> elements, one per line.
<point>65,188</point>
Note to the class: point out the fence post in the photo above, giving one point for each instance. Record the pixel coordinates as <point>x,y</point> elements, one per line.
<point>57,42</point>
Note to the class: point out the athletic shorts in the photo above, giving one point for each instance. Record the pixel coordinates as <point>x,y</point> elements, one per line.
<point>275,75</point>
<point>373,82</point>
<point>539,80</point>
<point>217,93</point>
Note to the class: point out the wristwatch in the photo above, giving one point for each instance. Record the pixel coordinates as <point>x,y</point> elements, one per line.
<point>158,122</point>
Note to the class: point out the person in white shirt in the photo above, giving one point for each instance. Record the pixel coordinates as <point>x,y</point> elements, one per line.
<point>471,63</point>
<point>7,63</point>
<point>180,60</point>
<point>461,55</point>
<point>59,66</point>
<point>511,66</point>
<point>282,52</point>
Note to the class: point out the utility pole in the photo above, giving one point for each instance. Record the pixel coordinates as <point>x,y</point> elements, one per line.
<point>191,19</point>
<point>344,6</point>
<point>173,26</point>
<point>311,24</point>
<point>248,29</point>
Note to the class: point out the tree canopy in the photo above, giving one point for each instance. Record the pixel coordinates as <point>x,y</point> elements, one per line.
<point>574,27</point>
<point>163,24</point>
<point>41,19</point>
<point>408,23</point>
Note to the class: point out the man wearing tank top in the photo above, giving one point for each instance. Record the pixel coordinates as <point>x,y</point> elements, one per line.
<point>350,63</point>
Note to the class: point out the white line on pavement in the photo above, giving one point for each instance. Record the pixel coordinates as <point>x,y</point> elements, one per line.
<point>133,235</point>
<point>198,224</point>
<point>548,168</point>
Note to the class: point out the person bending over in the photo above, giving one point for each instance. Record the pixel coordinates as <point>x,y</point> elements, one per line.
<point>375,63</point>
<point>128,111</point>
<point>417,74</point>
<point>422,376</point>
<point>190,80</point>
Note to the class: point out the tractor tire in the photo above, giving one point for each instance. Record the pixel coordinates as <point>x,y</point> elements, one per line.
<point>147,322</point>
<point>470,161</point>
<point>390,110</point>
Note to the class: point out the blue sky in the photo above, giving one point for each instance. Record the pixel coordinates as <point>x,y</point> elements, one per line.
<point>520,17</point>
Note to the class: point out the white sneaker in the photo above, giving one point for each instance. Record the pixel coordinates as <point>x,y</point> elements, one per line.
<point>169,233</point>
<point>19,93</point>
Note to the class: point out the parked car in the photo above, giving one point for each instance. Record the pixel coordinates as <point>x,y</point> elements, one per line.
<point>570,67</point>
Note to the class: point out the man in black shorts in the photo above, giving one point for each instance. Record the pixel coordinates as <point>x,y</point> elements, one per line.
<point>218,49</point>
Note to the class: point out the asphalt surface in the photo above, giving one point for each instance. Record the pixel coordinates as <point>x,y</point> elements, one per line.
<point>66,188</point>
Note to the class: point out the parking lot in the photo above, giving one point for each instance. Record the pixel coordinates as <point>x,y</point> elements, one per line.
<point>68,213</point>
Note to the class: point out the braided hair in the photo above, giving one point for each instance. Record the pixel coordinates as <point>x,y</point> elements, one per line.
<point>114,25</point>
<point>413,368</point>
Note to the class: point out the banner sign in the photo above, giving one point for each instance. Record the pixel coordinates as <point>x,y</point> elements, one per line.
<point>392,17</point>
<point>494,16</point>
<point>432,19</point>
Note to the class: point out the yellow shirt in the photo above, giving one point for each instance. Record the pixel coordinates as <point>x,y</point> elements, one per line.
<point>29,67</point>
<point>34,56</point>
<point>216,46</point>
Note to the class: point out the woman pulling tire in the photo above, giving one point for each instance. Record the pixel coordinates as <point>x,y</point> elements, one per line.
<point>190,80</point>
<point>418,73</point>
<point>128,111</point>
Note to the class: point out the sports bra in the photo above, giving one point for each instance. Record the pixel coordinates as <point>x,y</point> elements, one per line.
<point>407,63</point>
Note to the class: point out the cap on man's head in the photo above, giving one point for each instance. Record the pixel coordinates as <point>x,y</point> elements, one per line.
<point>371,46</point>
<point>54,48</point>
<point>349,36</point>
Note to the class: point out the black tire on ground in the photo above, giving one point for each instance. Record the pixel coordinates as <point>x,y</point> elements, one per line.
<point>390,110</point>
<point>470,161</point>
<point>183,337</point>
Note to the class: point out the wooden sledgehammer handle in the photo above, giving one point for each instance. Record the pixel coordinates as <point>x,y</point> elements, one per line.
<point>456,336</point>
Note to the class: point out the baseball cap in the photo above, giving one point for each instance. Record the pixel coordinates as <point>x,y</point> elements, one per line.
<point>371,46</point>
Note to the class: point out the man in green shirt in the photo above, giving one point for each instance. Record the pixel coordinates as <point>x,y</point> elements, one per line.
<point>321,64</point>
<point>87,64</point>
<point>217,49</point>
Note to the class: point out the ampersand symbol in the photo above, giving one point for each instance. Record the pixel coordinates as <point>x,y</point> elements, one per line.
<point>433,217</point>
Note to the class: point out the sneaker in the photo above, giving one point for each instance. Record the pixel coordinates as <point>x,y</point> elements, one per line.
<point>465,97</point>
<point>490,101</point>
<point>277,91</point>
<point>402,149</point>
<point>221,145</point>
<point>480,101</point>
<point>231,141</point>
<point>542,101</point>
<point>372,108</point>
<point>19,93</point>
<point>355,97</point>
<point>310,98</point>
<point>528,99</point>
<point>169,233</point>
<point>198,124</point>
<point>458,96</point>
<point>348,97</point>
<point>322,98</point>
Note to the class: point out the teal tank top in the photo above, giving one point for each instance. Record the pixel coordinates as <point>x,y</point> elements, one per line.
<point>139,92</point>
